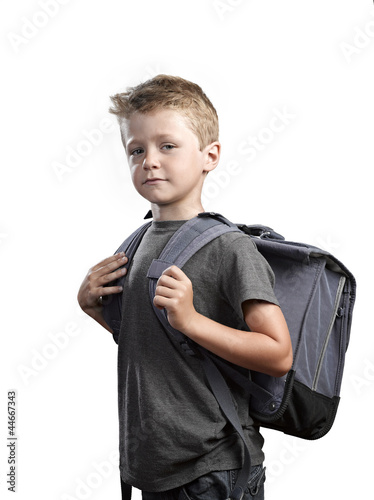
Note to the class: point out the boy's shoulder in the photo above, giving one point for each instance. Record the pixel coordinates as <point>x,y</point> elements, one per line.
<point>229,250</point>
<point>231,244</point>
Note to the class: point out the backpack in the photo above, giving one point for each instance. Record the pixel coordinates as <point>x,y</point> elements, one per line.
<point>316,293</point>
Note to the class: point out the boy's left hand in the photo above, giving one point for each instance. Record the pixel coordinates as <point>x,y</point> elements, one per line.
<point>174,293</point>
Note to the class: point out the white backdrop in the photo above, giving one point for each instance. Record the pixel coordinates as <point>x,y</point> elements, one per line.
<point>67,202</point>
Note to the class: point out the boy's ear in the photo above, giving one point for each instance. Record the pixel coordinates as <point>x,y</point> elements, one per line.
<point>212,155</point>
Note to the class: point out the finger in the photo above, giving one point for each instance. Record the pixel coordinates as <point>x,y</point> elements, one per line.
<point>108,272</point>
<point>107,278</point>
<point>160,302</point>
<point>166,292</point>
<point>174,272</point>
<point>108,290</point>
<point>167,281</point>
<point>94,296</point>
<point>111,263</point>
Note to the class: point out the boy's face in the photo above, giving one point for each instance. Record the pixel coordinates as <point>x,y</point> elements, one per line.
<point>167,167</point>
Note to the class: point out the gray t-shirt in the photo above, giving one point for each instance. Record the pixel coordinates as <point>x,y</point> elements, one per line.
<point>171,427</point>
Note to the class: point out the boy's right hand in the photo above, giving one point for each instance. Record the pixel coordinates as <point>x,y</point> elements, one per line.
<point>94,285</point>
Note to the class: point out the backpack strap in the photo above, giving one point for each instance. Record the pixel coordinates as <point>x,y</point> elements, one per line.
<point>191,237</point>
<point>185,242</point>
<point>223,396</point>
<point>263,232</point>
<point>112,310</point>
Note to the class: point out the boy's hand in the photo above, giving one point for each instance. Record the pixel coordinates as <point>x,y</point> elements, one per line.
<point>174,293</point>
<point>92,287</point>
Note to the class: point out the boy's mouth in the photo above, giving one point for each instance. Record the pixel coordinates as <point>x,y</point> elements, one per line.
<point>153,180</point>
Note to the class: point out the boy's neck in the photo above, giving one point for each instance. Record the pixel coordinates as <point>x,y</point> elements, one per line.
<point>161,213</point>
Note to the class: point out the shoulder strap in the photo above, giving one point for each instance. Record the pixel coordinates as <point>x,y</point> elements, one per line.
<point>191,237</point>
<point>186,241</point>
<point>112,310</point>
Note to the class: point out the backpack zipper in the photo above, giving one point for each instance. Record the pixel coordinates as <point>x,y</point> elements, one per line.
<point>329,330</point>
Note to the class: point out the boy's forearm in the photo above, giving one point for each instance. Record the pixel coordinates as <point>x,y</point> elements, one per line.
<point>97,315</point>
<point>251,350</point>
<point>100,319</point>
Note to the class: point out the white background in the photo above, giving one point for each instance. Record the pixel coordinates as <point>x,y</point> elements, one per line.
<point>311,181</point>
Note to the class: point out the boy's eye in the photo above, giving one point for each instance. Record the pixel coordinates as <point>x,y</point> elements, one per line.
<point>168,147</point>
<point>137,151</point>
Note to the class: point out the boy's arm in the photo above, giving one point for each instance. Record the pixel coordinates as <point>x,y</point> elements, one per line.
<point>92,287</point>
<point>266,348</point>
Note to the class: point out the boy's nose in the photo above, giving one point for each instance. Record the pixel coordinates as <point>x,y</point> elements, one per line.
<point>151,161</point>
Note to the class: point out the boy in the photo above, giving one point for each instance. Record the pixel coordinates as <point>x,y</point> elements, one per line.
<point>174,441</point>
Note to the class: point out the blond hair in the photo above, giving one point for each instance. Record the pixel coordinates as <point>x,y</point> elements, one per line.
<point>171,92</point>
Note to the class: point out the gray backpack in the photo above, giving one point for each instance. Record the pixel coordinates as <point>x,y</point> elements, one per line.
<point>316,293</point>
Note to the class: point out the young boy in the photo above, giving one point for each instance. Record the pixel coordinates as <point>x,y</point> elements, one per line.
<point>175,443</point>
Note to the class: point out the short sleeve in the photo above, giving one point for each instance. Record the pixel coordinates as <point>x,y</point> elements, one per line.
<point>246,274</point>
